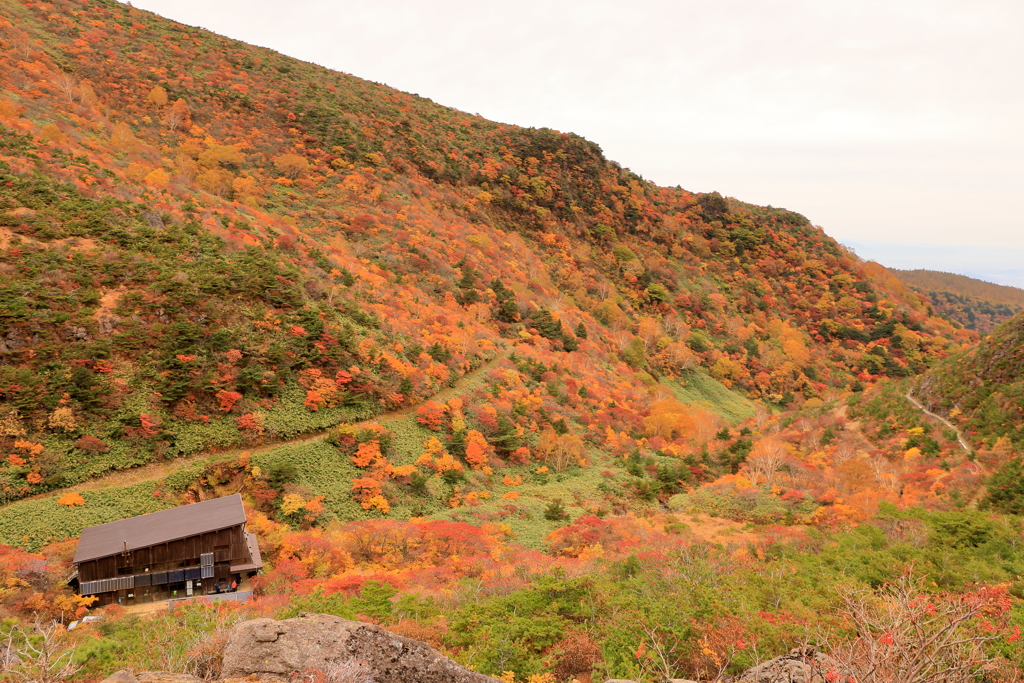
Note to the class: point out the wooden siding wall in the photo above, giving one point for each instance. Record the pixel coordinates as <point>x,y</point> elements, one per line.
<point>228,545</point>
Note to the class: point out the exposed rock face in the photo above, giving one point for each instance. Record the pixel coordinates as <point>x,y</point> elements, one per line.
<point>799,665</point>
<point>108,324</point>
<point>275,649</point>
<point>153,220</point>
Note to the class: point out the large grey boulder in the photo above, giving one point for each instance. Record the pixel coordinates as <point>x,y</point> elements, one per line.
<point>799,665</point>
<point>167,677</point>
<point>120,677</point>
<point>271,649</point>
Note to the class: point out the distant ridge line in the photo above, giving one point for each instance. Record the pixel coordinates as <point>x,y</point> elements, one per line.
<point>961,284</point>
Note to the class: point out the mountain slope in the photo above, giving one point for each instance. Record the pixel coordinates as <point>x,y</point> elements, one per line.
<point>208,244</point>
<point>975,304</point>
<point>982,389</point>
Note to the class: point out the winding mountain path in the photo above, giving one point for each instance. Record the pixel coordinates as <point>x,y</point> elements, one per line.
<point>959,436</point>
<point>159,470</point>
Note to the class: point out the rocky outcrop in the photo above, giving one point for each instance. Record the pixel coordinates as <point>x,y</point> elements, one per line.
<point>271,649</point>
<point>151,677</point>
<point>167,677</point>
<point>799,665</point>
<point>120,677</point>
<point>342,650</point>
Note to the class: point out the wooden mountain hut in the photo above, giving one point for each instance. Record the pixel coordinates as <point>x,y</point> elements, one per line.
<point>177,553</point>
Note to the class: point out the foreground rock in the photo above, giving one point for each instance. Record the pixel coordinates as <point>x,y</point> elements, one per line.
<point>799,665</point>
<point>151,677</point>
<point>268,650</point>
<point>120,677</point>
<point>166,677</point>
<point>271,649</point>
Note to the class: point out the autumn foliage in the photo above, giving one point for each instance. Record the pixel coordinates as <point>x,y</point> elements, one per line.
<point>520,368</point>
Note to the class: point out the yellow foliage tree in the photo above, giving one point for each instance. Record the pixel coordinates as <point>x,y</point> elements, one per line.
<point>437,458</point>
<point>88,94</point>
<point>560,451</point>
<point>669,419</point>
<point>123,139</point>
<point>246,189</point>
<point>10,423</point>
<point>157,96</point>
<point>62,418</point>
<point>179,116</point>
<point>157,177</point>
<point>217,156</point>
<point>291,165</point>
<point>726,371</point>
<point>216,181</point>
<point>51,133</point>
<point>292,503</point>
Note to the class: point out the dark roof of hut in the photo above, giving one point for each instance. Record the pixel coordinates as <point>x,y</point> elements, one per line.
<point>144,531</point>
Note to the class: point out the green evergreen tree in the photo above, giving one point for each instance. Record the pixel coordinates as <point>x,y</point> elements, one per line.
<point>505,437</point>
<point>375,599</point>
<point>467,286</point>
<point>439,353</point>
<point>546,325</point>
<point>1006,488</point>
<point>507,310</point>
<point>555,511</point>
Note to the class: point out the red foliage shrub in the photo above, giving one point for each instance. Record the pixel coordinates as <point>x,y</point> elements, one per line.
<point>90,444</point>
<point>227,400</point>
<point>431,416</point>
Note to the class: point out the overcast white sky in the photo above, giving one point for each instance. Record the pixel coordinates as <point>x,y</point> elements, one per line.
<point>887,122</point>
